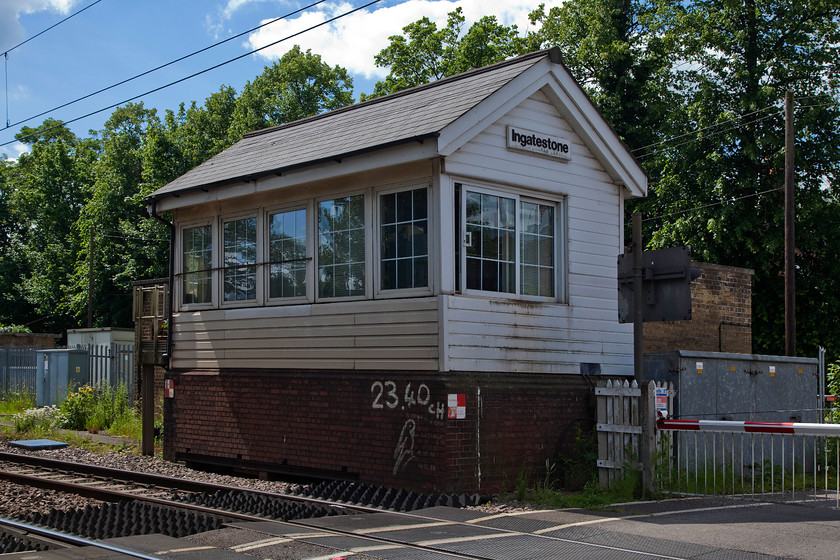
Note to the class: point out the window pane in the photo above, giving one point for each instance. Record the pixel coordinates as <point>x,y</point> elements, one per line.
<point>287,254</point>
<point>404,274</point>
<point>240,257</point>
<point>490,243</point>
<point>404,212</point>
<point>389,274</point>
<point>421,246</point>
<point>537,250</point>
<point>474,237</point>
<point>473,274</point>
<point>388,209</point>
<point>490,276</point>
<point>403,240</point>
<point>491,253</point>
<point>421,271</point>
<point>388,242</point>
<point>490,210</point>
<point>341,247</point>
<point>473,208</point>
<point>196,264</point>
<point>420,204</point>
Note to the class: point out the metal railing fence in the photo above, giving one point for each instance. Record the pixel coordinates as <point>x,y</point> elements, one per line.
<point>111,364</point>
<point>107,363</point>
<point>17,370</point>
<point>774,460</point>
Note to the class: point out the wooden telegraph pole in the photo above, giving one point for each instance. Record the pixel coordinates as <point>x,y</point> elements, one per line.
<point>790,238</point>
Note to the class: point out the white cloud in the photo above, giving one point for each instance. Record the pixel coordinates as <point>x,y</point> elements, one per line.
<point>352,41</point>
<point>14,150</point>
<point>11,30</point>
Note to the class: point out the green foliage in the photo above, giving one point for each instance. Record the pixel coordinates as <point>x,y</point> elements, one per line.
<point>77,408</point>
<point>298,85</point>
<point>14,329</point>
<point>13,402</point>
<point>99,409</point>
<point>581,467</point>
<point>717,187</point>
<point>111,405</point>
<point>426,53</point>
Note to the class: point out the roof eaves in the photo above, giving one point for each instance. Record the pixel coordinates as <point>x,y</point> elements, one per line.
<point>280,170</point>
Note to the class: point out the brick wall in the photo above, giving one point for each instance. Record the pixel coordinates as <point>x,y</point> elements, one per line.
<point>28,340</point>
<point>721,315</point>
<point>379,427</point>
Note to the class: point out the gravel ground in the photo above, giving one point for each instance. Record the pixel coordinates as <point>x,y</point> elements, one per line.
<point>17,501</point>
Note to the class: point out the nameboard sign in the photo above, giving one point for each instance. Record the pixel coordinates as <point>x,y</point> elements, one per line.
<point>549,145</point>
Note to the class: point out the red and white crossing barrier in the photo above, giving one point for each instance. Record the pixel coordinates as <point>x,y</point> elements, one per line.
<point>784,428</point>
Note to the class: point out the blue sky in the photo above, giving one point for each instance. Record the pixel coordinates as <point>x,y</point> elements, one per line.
<point>114,40</point>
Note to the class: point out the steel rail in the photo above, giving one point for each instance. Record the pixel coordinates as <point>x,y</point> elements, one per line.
<point>105,494</point>
<point>70,539</point>
<point>133,477</point>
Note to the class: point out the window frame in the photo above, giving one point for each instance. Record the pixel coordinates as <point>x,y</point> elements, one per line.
<point>377,243</point>
<point>366,195</point>
<point>267,212</point>
<point>258,252</point>
<point>519,196</point>
<point>179,285</point>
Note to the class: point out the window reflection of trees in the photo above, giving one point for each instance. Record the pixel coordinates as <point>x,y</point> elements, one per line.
<point>197,267</point>
<point>287,254</point>
<point>341,247</point>
<point>240,258</point>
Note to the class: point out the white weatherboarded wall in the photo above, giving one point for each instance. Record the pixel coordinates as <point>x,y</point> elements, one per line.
<point>498,334</point>
<point>359,335</point>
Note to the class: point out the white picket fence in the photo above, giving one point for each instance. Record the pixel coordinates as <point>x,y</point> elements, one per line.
<point>619,423</point>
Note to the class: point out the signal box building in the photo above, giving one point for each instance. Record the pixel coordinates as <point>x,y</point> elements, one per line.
<point>412,291</point>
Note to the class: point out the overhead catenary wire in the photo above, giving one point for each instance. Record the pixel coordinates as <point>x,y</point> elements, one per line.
<point>200,72</point>
<point>53,26</point>
<point>711,204</point>
<point>730,123</point>
<point>7,51</point>
<point>162,66</point>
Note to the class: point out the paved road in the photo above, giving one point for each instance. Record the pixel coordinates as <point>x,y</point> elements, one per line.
<point>713,528</point>
<point>685,529</point>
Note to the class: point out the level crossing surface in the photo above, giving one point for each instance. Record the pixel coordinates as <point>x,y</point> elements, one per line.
<point>696,528</point>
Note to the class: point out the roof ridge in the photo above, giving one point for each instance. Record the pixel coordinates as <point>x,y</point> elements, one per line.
<point>552,52</point>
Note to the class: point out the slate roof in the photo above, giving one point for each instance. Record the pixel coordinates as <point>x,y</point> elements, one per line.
<point>406,116</point>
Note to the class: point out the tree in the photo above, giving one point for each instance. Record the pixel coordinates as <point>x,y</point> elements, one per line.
<point>426,53</point>
<point>719,188</point>
<point>622,52</point>
<point>49,187</point>
<point>13,305</point>
<point>298,85</point>
<point>112,223</point>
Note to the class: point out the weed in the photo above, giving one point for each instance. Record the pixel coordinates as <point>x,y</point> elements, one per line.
<point>38,421</point>
<point>14,402</point>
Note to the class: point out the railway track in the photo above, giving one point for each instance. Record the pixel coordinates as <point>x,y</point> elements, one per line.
<point>143,504</point>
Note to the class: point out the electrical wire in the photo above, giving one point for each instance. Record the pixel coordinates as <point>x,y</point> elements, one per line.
<point>711,204</point>
<point>729,122</point>
<point>92,4</point>
<point>732,126</point>
<point>162,66</point>
<point>200,72</point>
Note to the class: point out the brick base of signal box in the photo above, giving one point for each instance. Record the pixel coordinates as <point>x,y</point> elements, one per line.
<point>420,431</point>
